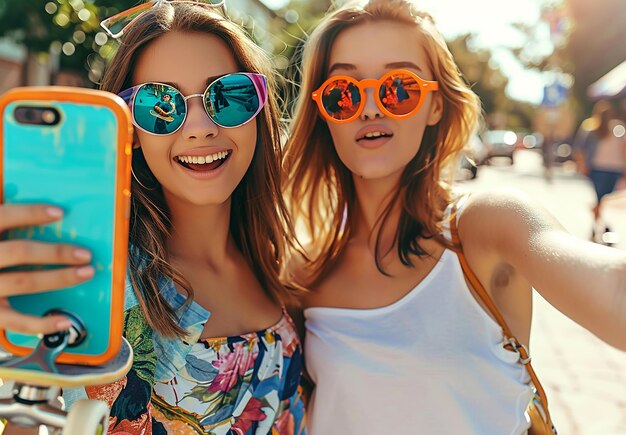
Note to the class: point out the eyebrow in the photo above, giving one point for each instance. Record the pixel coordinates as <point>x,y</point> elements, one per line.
<point>207,82</point>
<point>392,65</point>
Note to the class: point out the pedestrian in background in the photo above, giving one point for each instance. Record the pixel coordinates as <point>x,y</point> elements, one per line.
<point>600,152</point>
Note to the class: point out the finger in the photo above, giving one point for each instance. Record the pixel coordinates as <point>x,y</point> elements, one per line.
<point>20,283</point>
<point>15,216</point>
<point>28,324</point>
<point>22,252</point>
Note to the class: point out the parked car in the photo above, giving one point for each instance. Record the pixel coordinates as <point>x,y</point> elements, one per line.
<point>499,143</point>
<point>562,149</point>
<point>467,169</point>
<point>531,141</point>
<point>474,155</point>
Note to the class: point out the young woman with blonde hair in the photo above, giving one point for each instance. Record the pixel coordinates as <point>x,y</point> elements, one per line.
<point>413,326</point>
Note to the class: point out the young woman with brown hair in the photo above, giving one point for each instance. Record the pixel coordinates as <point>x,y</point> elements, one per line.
<point>215,351</point>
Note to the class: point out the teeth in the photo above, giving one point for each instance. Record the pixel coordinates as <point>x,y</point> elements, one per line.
<point>200,160</point>
<point>374,134</point>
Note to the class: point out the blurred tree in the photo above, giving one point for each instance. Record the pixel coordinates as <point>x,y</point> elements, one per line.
<point>489,83</point>
<point>480,72</point>
<point>299,18</point>
<point>64,33</point>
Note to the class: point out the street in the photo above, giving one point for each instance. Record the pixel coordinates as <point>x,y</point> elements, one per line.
<point>584,378</point>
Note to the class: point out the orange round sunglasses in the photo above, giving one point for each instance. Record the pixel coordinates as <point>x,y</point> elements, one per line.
<point>400,94</point>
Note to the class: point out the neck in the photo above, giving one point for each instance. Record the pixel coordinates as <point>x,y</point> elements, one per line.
<point>373,198</point>
<point>200,233</point>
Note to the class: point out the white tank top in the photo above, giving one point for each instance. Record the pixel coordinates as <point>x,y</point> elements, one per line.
<point>430,363</point>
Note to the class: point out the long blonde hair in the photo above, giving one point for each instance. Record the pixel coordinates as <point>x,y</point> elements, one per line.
<point>320,188</point>
<point>259,222</point>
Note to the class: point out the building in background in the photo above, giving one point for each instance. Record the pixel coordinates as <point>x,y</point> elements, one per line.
<point>597,44</point>
<point>611,86</point>
<point>12,59</point>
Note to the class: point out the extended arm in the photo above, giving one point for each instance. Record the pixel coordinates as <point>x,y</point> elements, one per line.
<point>583,280</point>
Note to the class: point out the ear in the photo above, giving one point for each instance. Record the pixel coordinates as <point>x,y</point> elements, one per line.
<point>436,109</point>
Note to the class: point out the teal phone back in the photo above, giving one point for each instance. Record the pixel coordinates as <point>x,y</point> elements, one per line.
<point>72,165</point>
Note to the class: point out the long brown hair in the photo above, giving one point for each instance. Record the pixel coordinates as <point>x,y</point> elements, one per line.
<point>320,189</point>
<point>259,222</point>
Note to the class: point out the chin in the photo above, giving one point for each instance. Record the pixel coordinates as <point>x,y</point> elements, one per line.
<point>376,171</point>
<point>207,200</point>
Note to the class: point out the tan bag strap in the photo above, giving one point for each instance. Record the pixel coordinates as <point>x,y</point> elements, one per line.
<point>511,341</point>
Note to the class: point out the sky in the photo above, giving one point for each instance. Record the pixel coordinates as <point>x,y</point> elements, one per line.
<point>490,21</point>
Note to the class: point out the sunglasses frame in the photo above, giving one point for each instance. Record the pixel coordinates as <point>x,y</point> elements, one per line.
<point>129,95</point>
<point>426,86</point>
<point>105,23</point>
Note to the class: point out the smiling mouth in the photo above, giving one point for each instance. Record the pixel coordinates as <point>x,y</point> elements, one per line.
<point>206,163</point>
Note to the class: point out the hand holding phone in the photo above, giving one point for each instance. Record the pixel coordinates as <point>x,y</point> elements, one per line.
<point>27,252</point>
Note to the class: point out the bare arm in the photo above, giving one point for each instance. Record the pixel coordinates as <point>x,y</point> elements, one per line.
<point>583,280</point>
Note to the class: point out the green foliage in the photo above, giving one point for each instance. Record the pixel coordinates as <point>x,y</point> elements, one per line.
<point>488,82</point>
<point>64,27</point>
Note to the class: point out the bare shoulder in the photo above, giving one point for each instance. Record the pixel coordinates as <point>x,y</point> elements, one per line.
<point>493,205</point>
<point>498,217</point>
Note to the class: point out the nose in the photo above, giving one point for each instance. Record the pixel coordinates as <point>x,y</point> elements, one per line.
<point>198,125</point>
<point>370,108</point>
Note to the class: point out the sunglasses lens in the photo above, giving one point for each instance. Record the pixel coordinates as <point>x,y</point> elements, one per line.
<point>117,23</point>
<point>232,100</point>
<point>400,93</point>
<point>158,109</point>
<point>341,99</point>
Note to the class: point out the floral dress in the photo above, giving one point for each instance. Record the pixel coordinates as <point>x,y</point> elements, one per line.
<point>243,385</point>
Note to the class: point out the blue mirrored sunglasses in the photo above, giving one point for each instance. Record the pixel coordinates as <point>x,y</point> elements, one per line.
<point>230,101</point>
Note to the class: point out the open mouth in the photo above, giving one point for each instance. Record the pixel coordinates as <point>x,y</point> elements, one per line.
<point>374,135</point>
<point>205,163</point>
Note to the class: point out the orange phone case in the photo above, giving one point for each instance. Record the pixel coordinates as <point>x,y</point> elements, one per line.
<point>72,104</point>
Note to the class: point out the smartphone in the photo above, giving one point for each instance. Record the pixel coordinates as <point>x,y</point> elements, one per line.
<point>71,147</point>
